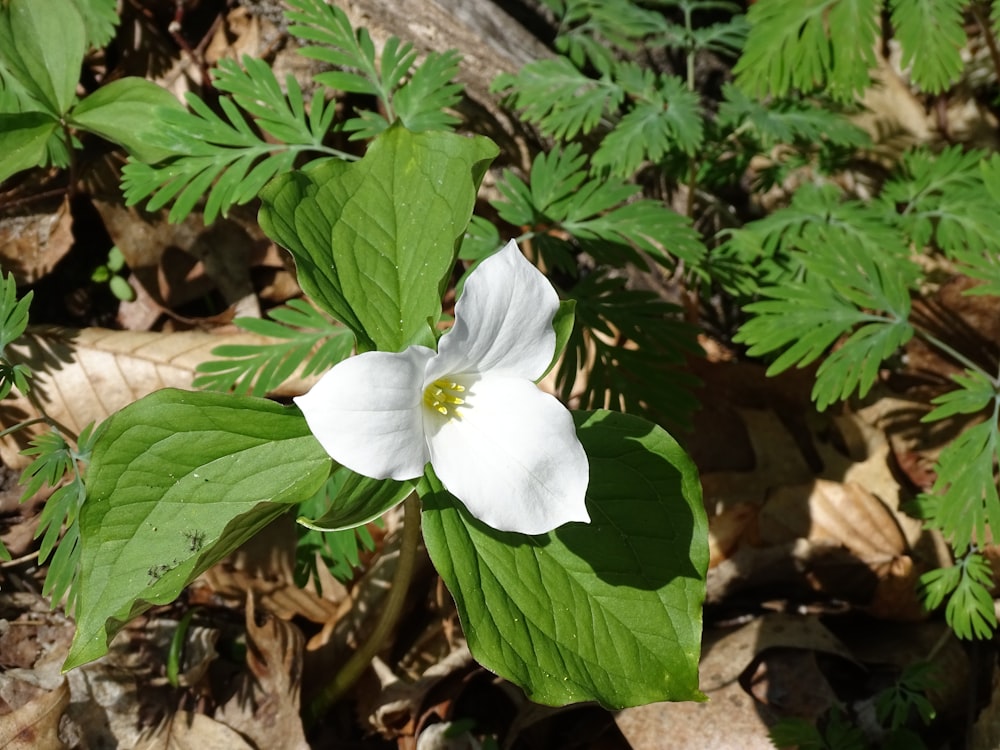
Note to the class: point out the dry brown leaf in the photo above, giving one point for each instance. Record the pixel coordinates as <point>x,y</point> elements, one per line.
<point>83,376</point>
<point>189,731</point>
<point>265,704</point>
<point>35,725</point>
<point>32,243</point>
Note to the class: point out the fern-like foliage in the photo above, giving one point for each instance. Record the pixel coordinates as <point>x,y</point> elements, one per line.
<point>817,222</point>
<point>970,606</point>
<point>100,17</point>
<point>663,116</point>
<point>58,464</point>
<point>226,157</point>
<point>633,346</point>
<point>809,45</point>
<point>306,342</point>
<point>934,59</point>
<point>13,321</point>
<point>419,97</point>
<point>942,200</point>
<point>602,214</point>
<point>964,498</point>
<point>847,288</point>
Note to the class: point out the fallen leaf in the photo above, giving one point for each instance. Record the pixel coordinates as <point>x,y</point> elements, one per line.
<point>31,243</point>
<point>190,731</point>
<point>35,725</point>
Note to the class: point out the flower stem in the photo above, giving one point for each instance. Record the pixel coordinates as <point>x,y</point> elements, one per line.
<point>391,610</point>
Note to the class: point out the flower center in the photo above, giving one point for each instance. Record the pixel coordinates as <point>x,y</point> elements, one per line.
<point>441,396</point>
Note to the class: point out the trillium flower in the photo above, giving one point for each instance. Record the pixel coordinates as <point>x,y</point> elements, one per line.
<point>498,443</point>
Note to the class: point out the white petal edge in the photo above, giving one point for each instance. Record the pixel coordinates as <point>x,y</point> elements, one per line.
<point>503,320</point>
<point>513,458</point>
<point>366,412</point>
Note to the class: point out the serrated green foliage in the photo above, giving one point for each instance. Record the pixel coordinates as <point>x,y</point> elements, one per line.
<point>786,121</point>
<point>590,30</point>
<point>418,97</point>
<point>178,480</point>
<point>226,158</point>
<point>337,551</point>
<point>847,288</point>
<point>895,705</point>
<point>835,732</point>
<point>663,116</point>
<point>557,97</point>
<point>637,344</point>
<point>934,59</point>
<point>809,45</point>
<point>307,342</point>
<point>942,200</point>
<point>964,497</point>
<point>967,586</point>
<point>560,196</point>
<point>608,610</point>
<point>13,321</point>
<point>100,17</point>
<point>57,464</point>
<point>817,222</point>
<point>974,393</point>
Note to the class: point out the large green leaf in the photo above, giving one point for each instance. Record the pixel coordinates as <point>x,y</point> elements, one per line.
<point>177,481</point>
<point>23,137</point>
<point>359,500</point>
<point>374,241</point>
<point>42,44</point>
<point>126,112</point>
<point>608,611</point>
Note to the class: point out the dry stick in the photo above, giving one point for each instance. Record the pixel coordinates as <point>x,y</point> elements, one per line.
<point>360,659</point>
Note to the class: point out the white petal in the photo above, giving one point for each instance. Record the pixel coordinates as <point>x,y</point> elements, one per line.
<point>503,320</point>
<point>367,413</point>
<point>512,457</point>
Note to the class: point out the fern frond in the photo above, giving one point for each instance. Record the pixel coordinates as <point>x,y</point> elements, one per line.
<point>558,98</point>
<point>970,610</point>
<point>100,17</point>
<point>931,34</point>
<point>306,342</point>
<point>809,45</point>
<point>589,30</point>
<point>964,499</point>
<point>665,117</point>
<point>561,196</point>
<point>226,158</point>
<point>635,345</point>
<point>846,288</point>
<point>787,121</point>
<point>942,200</point>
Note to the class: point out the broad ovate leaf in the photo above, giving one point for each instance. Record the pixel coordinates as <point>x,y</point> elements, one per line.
<point>374,241</point>
<point>126,111</point>
<point>23,137</point>
<point>177,481</point>
<point>608,611</point>
<point>42,44</point>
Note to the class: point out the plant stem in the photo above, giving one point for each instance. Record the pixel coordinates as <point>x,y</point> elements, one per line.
<point>391,610</point>
<point>956,355</point>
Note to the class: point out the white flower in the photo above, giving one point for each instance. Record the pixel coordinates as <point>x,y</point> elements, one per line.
<point>506,449</point>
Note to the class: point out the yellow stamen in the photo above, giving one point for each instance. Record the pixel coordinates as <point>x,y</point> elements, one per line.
<point>441,397</point>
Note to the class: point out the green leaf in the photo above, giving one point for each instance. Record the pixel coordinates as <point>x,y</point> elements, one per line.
<point>809,45</point>
<point>23,140</point>
<point>42,44</point>
<point>359,500</point>
<point>304,339</point>
<point>100,17</point>
<point>120,112</point>
<point>374,241</point>
<point>13,312</point>
<point>608,611</point>
<point>177,481</point>
<point>666,118</point>
<point>558,98</point>
<point>975,392</point>
<point>931,34</point>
